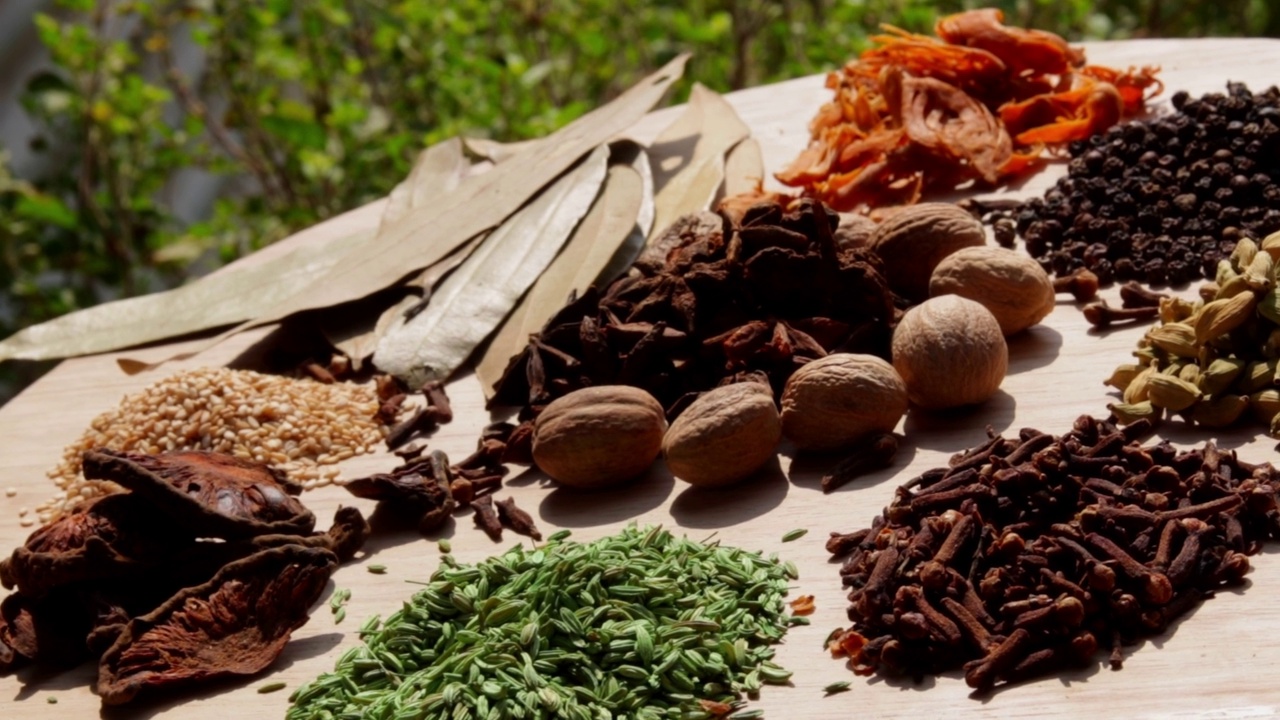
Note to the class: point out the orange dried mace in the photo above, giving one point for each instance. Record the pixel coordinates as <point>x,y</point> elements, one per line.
<point>981,103</point>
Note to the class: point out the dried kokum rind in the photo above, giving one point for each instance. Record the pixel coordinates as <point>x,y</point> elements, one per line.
<point>106,537</point>
<point>210,494</point>
<point>235,624</point>
<point>49,630</point>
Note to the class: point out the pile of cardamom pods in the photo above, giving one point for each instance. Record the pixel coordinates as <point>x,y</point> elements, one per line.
<point>1215,360</point>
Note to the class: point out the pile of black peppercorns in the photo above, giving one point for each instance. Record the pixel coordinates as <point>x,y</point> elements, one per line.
<point>1161,201</point>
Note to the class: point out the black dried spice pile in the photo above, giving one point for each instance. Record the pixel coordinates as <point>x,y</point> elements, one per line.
<point>1028,554</point>
<point>202,569</point>
<point>716,298</point>
<point>1162,201</point>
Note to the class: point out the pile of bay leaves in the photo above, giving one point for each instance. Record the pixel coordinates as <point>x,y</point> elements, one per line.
<point>482,240</point>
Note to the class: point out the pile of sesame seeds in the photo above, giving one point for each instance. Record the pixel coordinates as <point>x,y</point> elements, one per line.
<point>303,427</point>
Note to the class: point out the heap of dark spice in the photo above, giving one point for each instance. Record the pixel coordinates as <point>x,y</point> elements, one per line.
<point>1161,201</point>
<point>1028,554</point>
<point>201,569</point>
<point>716,298</point>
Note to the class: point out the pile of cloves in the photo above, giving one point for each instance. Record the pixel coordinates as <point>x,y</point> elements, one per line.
<point>1026,555</point>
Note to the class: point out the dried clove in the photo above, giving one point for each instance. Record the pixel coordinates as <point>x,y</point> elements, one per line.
<point>1012,562</point>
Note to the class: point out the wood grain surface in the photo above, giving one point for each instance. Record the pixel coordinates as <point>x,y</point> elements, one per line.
<point>1215,663</point>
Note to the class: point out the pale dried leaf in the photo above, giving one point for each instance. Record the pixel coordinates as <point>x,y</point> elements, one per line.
<point>600,235</point>
<point>481,292</point>
<point>424,236</point>
<point>233,294</point>
<point>695,146</point>
<point>743,169</point>
<point>438,170</point>
<point>352,335</point>
<point>494,151</point>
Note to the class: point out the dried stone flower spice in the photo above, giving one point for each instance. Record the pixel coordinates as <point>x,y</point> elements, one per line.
<point>716,299</point>
<point>1027,554</point>
<point>640,625</point>
<point>1162,201</point>
<point>302,427</point>
<point>202,570</point>
<point>1213,360</point>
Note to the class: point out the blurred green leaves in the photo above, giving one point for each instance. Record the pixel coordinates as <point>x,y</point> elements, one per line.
<point>304,110</point>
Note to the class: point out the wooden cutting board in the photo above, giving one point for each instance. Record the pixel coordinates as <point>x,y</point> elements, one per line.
<point>1215,663</point>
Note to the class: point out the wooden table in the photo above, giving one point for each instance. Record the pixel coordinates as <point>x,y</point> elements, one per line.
<point>1215,663</point>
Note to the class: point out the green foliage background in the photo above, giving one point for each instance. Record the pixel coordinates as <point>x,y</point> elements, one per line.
<point>305,110</point>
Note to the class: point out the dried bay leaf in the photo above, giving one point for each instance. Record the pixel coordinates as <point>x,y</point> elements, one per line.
<point>439,169</point>
<point>743,169</point>
<point>354,329</point>
<point>480,203</point>
<point>472,301</point>
<point>233,294</point>
<point>695,146</point>
<point>612,219</point>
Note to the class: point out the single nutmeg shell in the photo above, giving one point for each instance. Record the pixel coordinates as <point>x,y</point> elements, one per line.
<point>1010,284</point>
<point>724,436</point>
<point>913,240</point>
<point>854,230</point>
<point>599,436</point>
<point>950,352</point>
<point>836,400</point>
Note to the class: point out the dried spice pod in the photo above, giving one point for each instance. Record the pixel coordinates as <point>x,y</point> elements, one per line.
<point>1011,285</point>
<point>599,436</point>
<point>950,352</point>
<point>913,240</point>
<point>104,537</point>
<point>211,494</point>
<point>235,624</point>
<point>840,399</point>
<point>724,436</point>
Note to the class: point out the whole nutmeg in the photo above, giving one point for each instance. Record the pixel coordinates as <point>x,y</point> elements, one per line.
<point>836,400</point>
<point>1010,284</point>
<point>854,230</point>
<point>913,240</point>
<point>599,436</point>
<point>950,352</point>
<point>724,436</point>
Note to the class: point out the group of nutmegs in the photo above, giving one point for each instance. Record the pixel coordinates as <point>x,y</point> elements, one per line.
<point>780,320</point>
<point>1026,555</point>
<point>1212,360</point>
<point>200,568</point>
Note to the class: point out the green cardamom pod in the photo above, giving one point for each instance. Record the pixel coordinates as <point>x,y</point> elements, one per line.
<point>1271,347</point>
<point>1265,404</point>
<point>1171,393</point>
<point>1274,428</point>
<point>1127,413</point>
<point>1209,291</point>
<point>1137,390</point>
<point>1218,412</point>
<point>1122,376</point>
<point>1257,375</point>
<point>1176,309</point>
<point>1173,368</point>
<point>1222,316</point>
<point>1243,254</point>
<point>1219,374</point>
<point>1174,338</point>
<point>1269,306</point>
<point>1190,372</point>
<point>1271,245</point>
<point>1258,274</point>
<point>1145,355</point>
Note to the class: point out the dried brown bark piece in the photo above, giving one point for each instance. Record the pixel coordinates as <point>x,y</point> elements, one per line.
<point>235,624</point>
<point>104,537</point>
<point>209,494</point>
